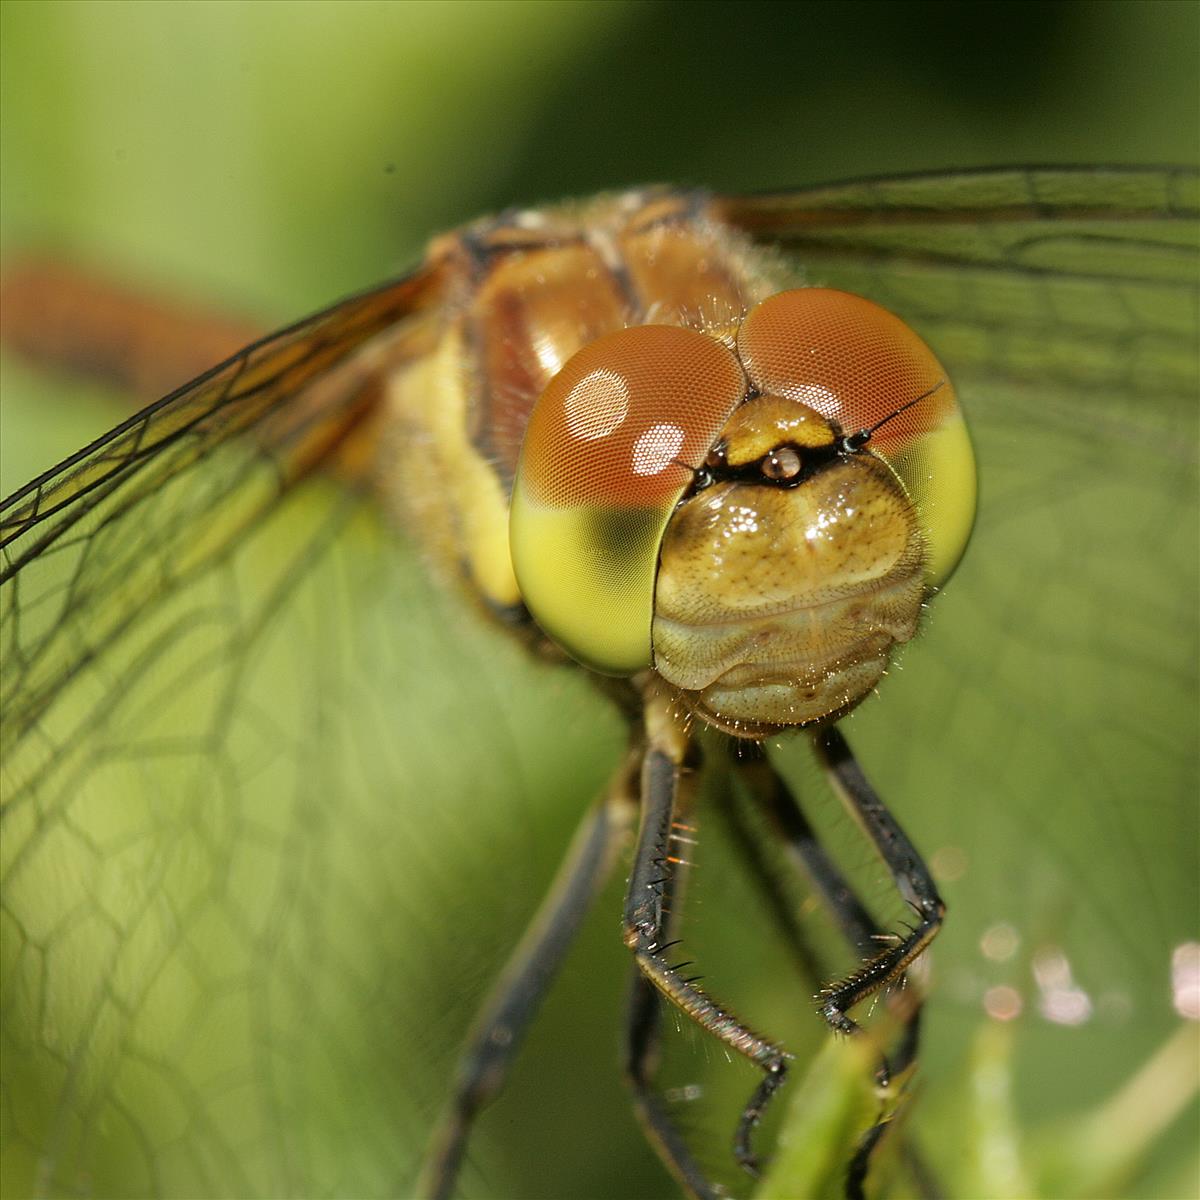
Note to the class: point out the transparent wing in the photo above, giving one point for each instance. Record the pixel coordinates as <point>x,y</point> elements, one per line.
<point>1042,733</point>
<point>121,524</point>
<point>249,390</point>
<point>1081,278</point>
<point>275,809</point>
<point>238,811</point>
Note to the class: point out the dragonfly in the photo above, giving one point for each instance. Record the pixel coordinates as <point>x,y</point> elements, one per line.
<point>230,846</point>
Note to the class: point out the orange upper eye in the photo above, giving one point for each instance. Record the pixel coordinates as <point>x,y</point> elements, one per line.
<point>851,360</point>
<point>615,426</point>
<point>609,449</point>
<point>856,364</point>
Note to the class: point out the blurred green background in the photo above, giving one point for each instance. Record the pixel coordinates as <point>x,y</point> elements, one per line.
<point>271,157</point>
<point>274,156</point>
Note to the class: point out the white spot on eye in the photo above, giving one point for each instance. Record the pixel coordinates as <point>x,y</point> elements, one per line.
<point>1185,980</point>
<point>815,396</point>
<point>596,405</point>
<point>656,449</point>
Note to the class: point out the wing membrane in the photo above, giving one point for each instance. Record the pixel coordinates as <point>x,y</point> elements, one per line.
<point>146,584</point>
<point>129,519</point>
<point>254,801</point>
<point>231,833</point>
<point>1047,721</point>
<point>1070,276</point>
<point>222,403</point>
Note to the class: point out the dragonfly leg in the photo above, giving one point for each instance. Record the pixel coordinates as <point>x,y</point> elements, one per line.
<point>907,868</point>
<point>646,923</point>
<point>502,1021</point>
<point>643,1027</point>
<point>803,847</point>
<point>642,1034</point>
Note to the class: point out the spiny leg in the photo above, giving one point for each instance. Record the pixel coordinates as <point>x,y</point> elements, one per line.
<point>641,1046</point>
<point>646,925</point>
<point>909,873</point>
<point>804,853</point>
<point>643,1028</point>
<point>802,845</point>
<point>915,883</point>
<point>502,1021</point>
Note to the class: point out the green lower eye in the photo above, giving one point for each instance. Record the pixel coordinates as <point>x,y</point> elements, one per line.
<point>610,447</point>
<point>939,473</point>
<point>588,578</point>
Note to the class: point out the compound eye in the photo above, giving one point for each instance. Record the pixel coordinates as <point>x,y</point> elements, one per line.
<point>610,446</point>
<point>857,364</point>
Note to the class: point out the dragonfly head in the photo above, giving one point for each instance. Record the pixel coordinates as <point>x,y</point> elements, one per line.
<point>757,517</point>
<point>788,575</point>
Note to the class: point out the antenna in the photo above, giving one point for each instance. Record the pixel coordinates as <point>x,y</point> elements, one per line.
<point>856,441</point>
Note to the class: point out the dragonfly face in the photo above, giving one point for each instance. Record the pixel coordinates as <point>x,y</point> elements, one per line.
<point>677,504</point>
<point>424,390</point>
